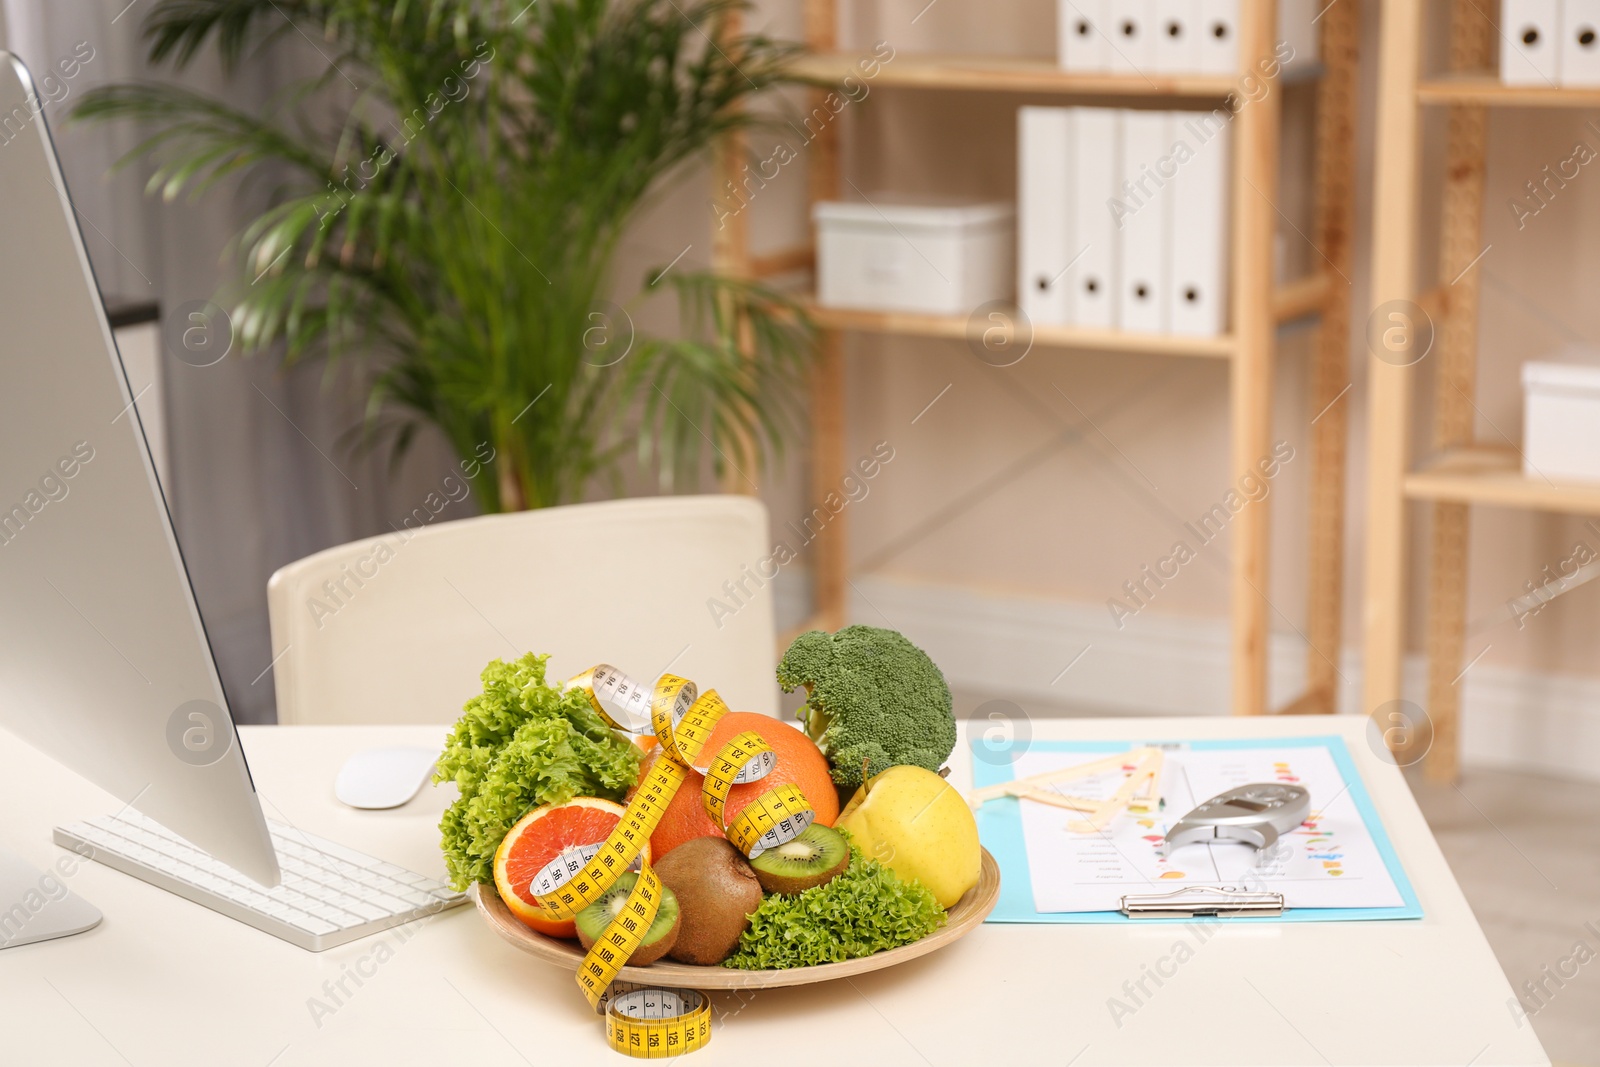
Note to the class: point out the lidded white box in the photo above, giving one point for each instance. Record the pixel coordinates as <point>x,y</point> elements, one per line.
<point>1561,419</point>
<point>929,256</point>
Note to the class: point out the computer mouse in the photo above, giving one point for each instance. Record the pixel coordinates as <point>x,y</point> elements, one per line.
<point>383,777</point>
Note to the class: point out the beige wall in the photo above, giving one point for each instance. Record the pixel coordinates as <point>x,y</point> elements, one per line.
<point>1539,295</point>
<point>1061,476</point>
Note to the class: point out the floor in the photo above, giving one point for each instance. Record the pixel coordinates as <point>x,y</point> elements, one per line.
<point>1526,851</point>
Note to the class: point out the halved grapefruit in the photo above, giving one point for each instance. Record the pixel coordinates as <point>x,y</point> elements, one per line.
<point>538,838</point>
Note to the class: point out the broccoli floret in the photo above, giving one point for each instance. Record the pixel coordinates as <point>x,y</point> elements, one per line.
<point>870,695</point>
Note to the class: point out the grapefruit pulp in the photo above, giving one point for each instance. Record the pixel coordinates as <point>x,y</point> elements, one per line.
<point>537,839</point>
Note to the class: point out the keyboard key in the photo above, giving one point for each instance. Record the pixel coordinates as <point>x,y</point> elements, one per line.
<point>310,923</point>
<point>410,897</point>
<point>334,915</point>
<point>370,912</point>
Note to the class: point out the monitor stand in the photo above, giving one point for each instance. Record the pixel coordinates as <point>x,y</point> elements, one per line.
<point>36,905</point>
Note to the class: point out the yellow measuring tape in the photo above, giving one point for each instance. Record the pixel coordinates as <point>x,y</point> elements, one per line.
<point>642,1021</point>
<point>653,1023</point>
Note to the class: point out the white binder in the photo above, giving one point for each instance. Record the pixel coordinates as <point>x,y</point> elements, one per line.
<point>1217,42</point>
<point>1043,214</point>
<point>1141,219</point>
<point>1580,42</point>
<point>1530,42</point>
<point>1197,299</point>
<point>1081,26</point>
<point>1173,44</point>
<point>1095,177</point>
<point>1129,36</point>
<point>1297,28</point>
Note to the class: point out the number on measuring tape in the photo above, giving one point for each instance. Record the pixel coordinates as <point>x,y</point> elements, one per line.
<point>616,698</point>
<point>757,763</point>
<point>651,1023</point>
<point>772,819</point>
<point>559,871</point>
<point>573,859</point>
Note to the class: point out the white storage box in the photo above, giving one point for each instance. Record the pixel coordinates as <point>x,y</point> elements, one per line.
<point>1561,423</point>
<point>893,255</point>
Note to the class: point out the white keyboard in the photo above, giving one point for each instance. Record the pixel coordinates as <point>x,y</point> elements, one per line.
<point>329,894</point>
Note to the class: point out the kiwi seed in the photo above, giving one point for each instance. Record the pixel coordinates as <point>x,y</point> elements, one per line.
<point>814,857</point>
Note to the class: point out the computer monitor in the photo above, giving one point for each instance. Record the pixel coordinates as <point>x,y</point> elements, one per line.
<point>104,660</point>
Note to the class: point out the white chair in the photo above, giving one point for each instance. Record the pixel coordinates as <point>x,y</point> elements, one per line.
<point>396,629</point>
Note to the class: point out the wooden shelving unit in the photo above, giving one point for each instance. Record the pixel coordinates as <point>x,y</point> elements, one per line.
<point>1001,74</point>
<point>955,327</point>
<point>1486,90</point>
<point>1301,299</point>
<point>1459,472</point>
<point>1258,308</point>
<point>1493,476</point>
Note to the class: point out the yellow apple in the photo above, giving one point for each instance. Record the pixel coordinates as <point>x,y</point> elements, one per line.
<point>913,822</point>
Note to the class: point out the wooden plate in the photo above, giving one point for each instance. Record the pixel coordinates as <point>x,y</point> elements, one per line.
<point>968,912</point>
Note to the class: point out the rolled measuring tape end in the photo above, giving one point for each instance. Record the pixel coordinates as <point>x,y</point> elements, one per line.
<point>655,1023</point>
<point>643,1021</point>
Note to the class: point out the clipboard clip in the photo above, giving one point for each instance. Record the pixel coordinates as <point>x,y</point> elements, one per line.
<point>1224,902</point>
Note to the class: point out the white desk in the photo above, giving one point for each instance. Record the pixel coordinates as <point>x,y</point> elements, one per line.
<point>162,982</point>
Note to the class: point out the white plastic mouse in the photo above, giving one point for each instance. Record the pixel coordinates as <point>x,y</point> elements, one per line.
<point>383,777</point>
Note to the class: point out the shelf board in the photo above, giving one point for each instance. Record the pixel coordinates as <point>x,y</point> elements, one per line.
<point>1005,74</point>
<point>1488,475</point>
<point>954,327</point>
<point>1489,91</point>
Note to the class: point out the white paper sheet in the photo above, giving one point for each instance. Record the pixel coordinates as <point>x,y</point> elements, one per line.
<point>1330,861</point>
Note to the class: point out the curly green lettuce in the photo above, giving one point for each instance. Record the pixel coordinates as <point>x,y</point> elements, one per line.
<point>866,909</point>
<point>520,744</point>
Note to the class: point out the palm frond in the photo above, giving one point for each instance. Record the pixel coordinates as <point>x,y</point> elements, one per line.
<point>203,134</point>
<point>454,228</point>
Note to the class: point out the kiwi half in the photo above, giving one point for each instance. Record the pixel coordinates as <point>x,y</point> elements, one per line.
<point>658,940</point>
<point>812,858</point>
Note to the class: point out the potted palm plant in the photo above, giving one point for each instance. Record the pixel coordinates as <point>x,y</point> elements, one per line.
<point>454,227</point>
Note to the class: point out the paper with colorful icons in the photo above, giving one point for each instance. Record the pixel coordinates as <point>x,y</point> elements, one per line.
<point>1337,864</point>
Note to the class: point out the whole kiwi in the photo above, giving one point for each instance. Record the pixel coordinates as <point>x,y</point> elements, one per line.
<point>717,893</point>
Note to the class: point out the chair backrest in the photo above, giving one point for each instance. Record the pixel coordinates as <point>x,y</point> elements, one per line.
<point>396,629</point>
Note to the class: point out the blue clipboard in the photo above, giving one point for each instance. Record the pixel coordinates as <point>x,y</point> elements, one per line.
<point>1000,830</point>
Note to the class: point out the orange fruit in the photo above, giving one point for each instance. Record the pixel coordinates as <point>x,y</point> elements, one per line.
<point>799,761</point>
<point>537,839</point>
<point>646,744</point>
